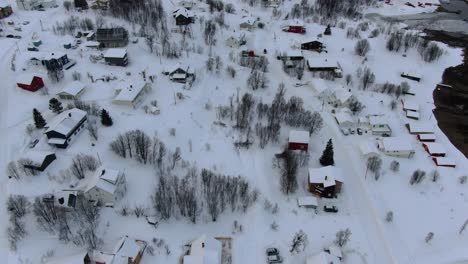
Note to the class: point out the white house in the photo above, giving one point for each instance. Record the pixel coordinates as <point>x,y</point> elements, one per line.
<point>104,186</point>
<point>379,125</point>
<point>204,250</point>
<point>344,120</point>
<point>65,126</point>
<point>132,95</point>
<point>72,91</point>
<point>396,146</point>
<point>368,149</point>
<point>236,40</point>
<point>420,128</point>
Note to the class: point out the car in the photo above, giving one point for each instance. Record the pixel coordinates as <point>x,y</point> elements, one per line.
<point>17,37</point>
<point>330,209</point>
<point>33,143</point>
<point>33,48</point>
<point>9,36</point>
<point>359,131</point>
<point>352,131</point>
<point>26,23</point>
<point>273,256</point>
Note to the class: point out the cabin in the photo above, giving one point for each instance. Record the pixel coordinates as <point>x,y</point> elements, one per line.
<point>179,73</point>
<point>204,249</point>
<point>63,128</point>
<point>116,56</point>
<point>294,27</point>
<point>132,94</point>
<point>367,149</point>
<point>38,160</point>
<point>298,140</point>
<point>379,126</point>
<point>57,60</point>
<point>411,76</point>
<point>248,23</point>
<point>324,65</point>
<point>313,46</point>
<point>308,202</point>
<point>183,16</point>
<point>396,146</point>
<point>444,162</point>
<point>344,120</point>
<point>434,149</point>
<point>73,91</point>
<point>112,37</point>
<point>236,41</point>
<point>420,128</point>
<point>426,137</point>
<point>325,182</point>
<point>5,9</point>
<point>104,187</point>
<point>30,82</point>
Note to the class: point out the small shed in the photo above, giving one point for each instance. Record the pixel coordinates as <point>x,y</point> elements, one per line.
<point>298,140</point>
<point>426,137</point>
<point>295,27</point>
<point>444,162</point>
<point>39,160</point>
<point>434,149</point>
<point>30,82</point>
<point>307,202</point>
<point>72,91</point>
<point>314,45</point>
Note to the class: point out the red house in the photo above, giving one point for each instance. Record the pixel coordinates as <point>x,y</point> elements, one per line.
<point>434,149</point>
<point>295,29</point>
<point>30,82</point>
<point>298,140</point>
<point>444,162</point>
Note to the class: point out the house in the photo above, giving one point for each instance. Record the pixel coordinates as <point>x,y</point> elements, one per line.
<point>65,198</point>
<point>307,202</point>
<point>444,162</point>
<point>379,126</point>
<point>426,137</point>
<point>409,105</point>
<point>112,37</point>
<point>420,128</point>
<point>412,115</point>
<point>340,97</point>
<point>57,60</point>
<point>298,140</point>
<point>396,146</point>
<point>183,16</point>
<point>411,76</point>
<point>72,91</point>
<point>79,258</point>
<point>65,126</point>
<point>294,27</point>
<point>30,82</point>
<point>314,45</point>
<point>38,160</point>
<point>344,120</point>
<point>103,187</point>
<point>367,149</point>
<point>179,73</point>
<point>290,54</point>
<point>132,95</point>
<point>318,64</point>
<point>116,56</point>
<point>248,23</point>
<point>5,9</point>
<point>125,251</point>
<point>204,250</point>
<point>434,149</point>
<point>325,182</point>
<point>236,41</point>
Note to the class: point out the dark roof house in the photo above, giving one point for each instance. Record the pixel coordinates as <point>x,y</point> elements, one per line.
<point>62,129</point>
<point>183,17</point>
<point>112,37</point>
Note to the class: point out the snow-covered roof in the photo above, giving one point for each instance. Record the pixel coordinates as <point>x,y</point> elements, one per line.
<point>248,20</point>
<point>323,258</point>
<point>421,128</point>
<point>64,122</point>
<point>427,137</point>
<point>294,23</point>
<point>444,161</point>
<point>53,55</point>
<point>410,105</point>
<point>363,120</point>
<point>296,136</point>
<point>72,259</point>
<point>366,148</point>
<point>127,247</point>
<point>204,250</point>
<point>318,61</point>
<point>179,76</point>
<point>435,148</point>
<point>104,179</point>
<point>177,66</point>
<point>327,175</point>
<point>25,78</point>
<point>73,88</point>
<point>376,120</point>
<point>115,53</point>
<point>396,144</point>
<point>307,201</point>
<point>412,74</point>
<point>343,117</point>
<point>37,157</point>
<point>101,257</point>
<point>291,53</point>
<point>342,95</point>
<point>56,141</point>
<point>182,12</point>
<point>91,44</point>
<point>131,92</point>
<point>412,114</point>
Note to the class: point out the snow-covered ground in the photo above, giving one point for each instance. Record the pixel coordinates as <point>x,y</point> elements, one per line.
<point>428,207</point>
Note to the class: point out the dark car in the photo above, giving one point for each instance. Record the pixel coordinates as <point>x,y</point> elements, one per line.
<point>10,36</point>
<point>330,209</point>
<point>359,131</point>
<point>273,256</point>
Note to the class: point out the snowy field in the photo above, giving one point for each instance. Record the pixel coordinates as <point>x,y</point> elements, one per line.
<point>438,207</point>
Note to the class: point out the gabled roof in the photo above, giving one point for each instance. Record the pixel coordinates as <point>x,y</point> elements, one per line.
<point>435,148</point>
<point>104,179</point>
<point>26,78</point>
<point>327,175</point>
<point>296,136</point>
<point>396,144</point>
<point>204,250</point>
<point>320,61</point>
<point>73,88</point>
<point>182,12</point>
<point>64,122</point>
<point>130,92</point>
<point>419,128</point>
<point>37,157</point>
<point>115,53</point>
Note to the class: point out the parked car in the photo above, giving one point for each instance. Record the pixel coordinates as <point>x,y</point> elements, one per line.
<point>26,23</point>
<point>330,209</point>
<point>351,131</point>
<point>359,131</point>
<point>32,48</point>
<point>345,132</point>
<point>33,143</point>
<point>273,256</point>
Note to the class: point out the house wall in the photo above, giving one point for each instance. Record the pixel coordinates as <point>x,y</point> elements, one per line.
<point>402,154</point>
<point>47,161</point>
<point>298,146</point>
<point>117,61</point>
<point>100,195</point>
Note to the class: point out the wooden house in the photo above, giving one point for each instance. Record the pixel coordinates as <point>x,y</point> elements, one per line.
<point>236,40</point>
<point>298,140</point>
<point>38,160</point>
<point>325,182</point>
<point>132,94</point>
<point>321,64</point>
<point>72,91</point>
<point>116,56</point>
<point>434,149</point>
<point>5,9</point>
<point>204,249</point>
<point>294,27</point>
<point>444,162</point>
<point>112,37</point>
<point>179,73</point>
<point>30,82</point>
<point>183,16</point>
<point>411,76</point>
<point>396,146</point>
<point>63,128</point>
<point>313,46</point>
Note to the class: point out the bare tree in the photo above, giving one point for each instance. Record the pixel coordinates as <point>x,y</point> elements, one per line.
<point>299,242</point>
<point>343,237</point>
<point>417,177</point>
<point>92,129</point>
<point>395,166</point>
<point>429,237</point>
<point>374,164</point>
<point>362,47</point>
<point>367,78</point>
<point>463,227</point>
<point>389,217</point>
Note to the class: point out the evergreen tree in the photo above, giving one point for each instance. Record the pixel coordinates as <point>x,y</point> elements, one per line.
<point>106,120</point>
<point>55,105</point>
<point>327,156</point>
<point>38,119</point>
